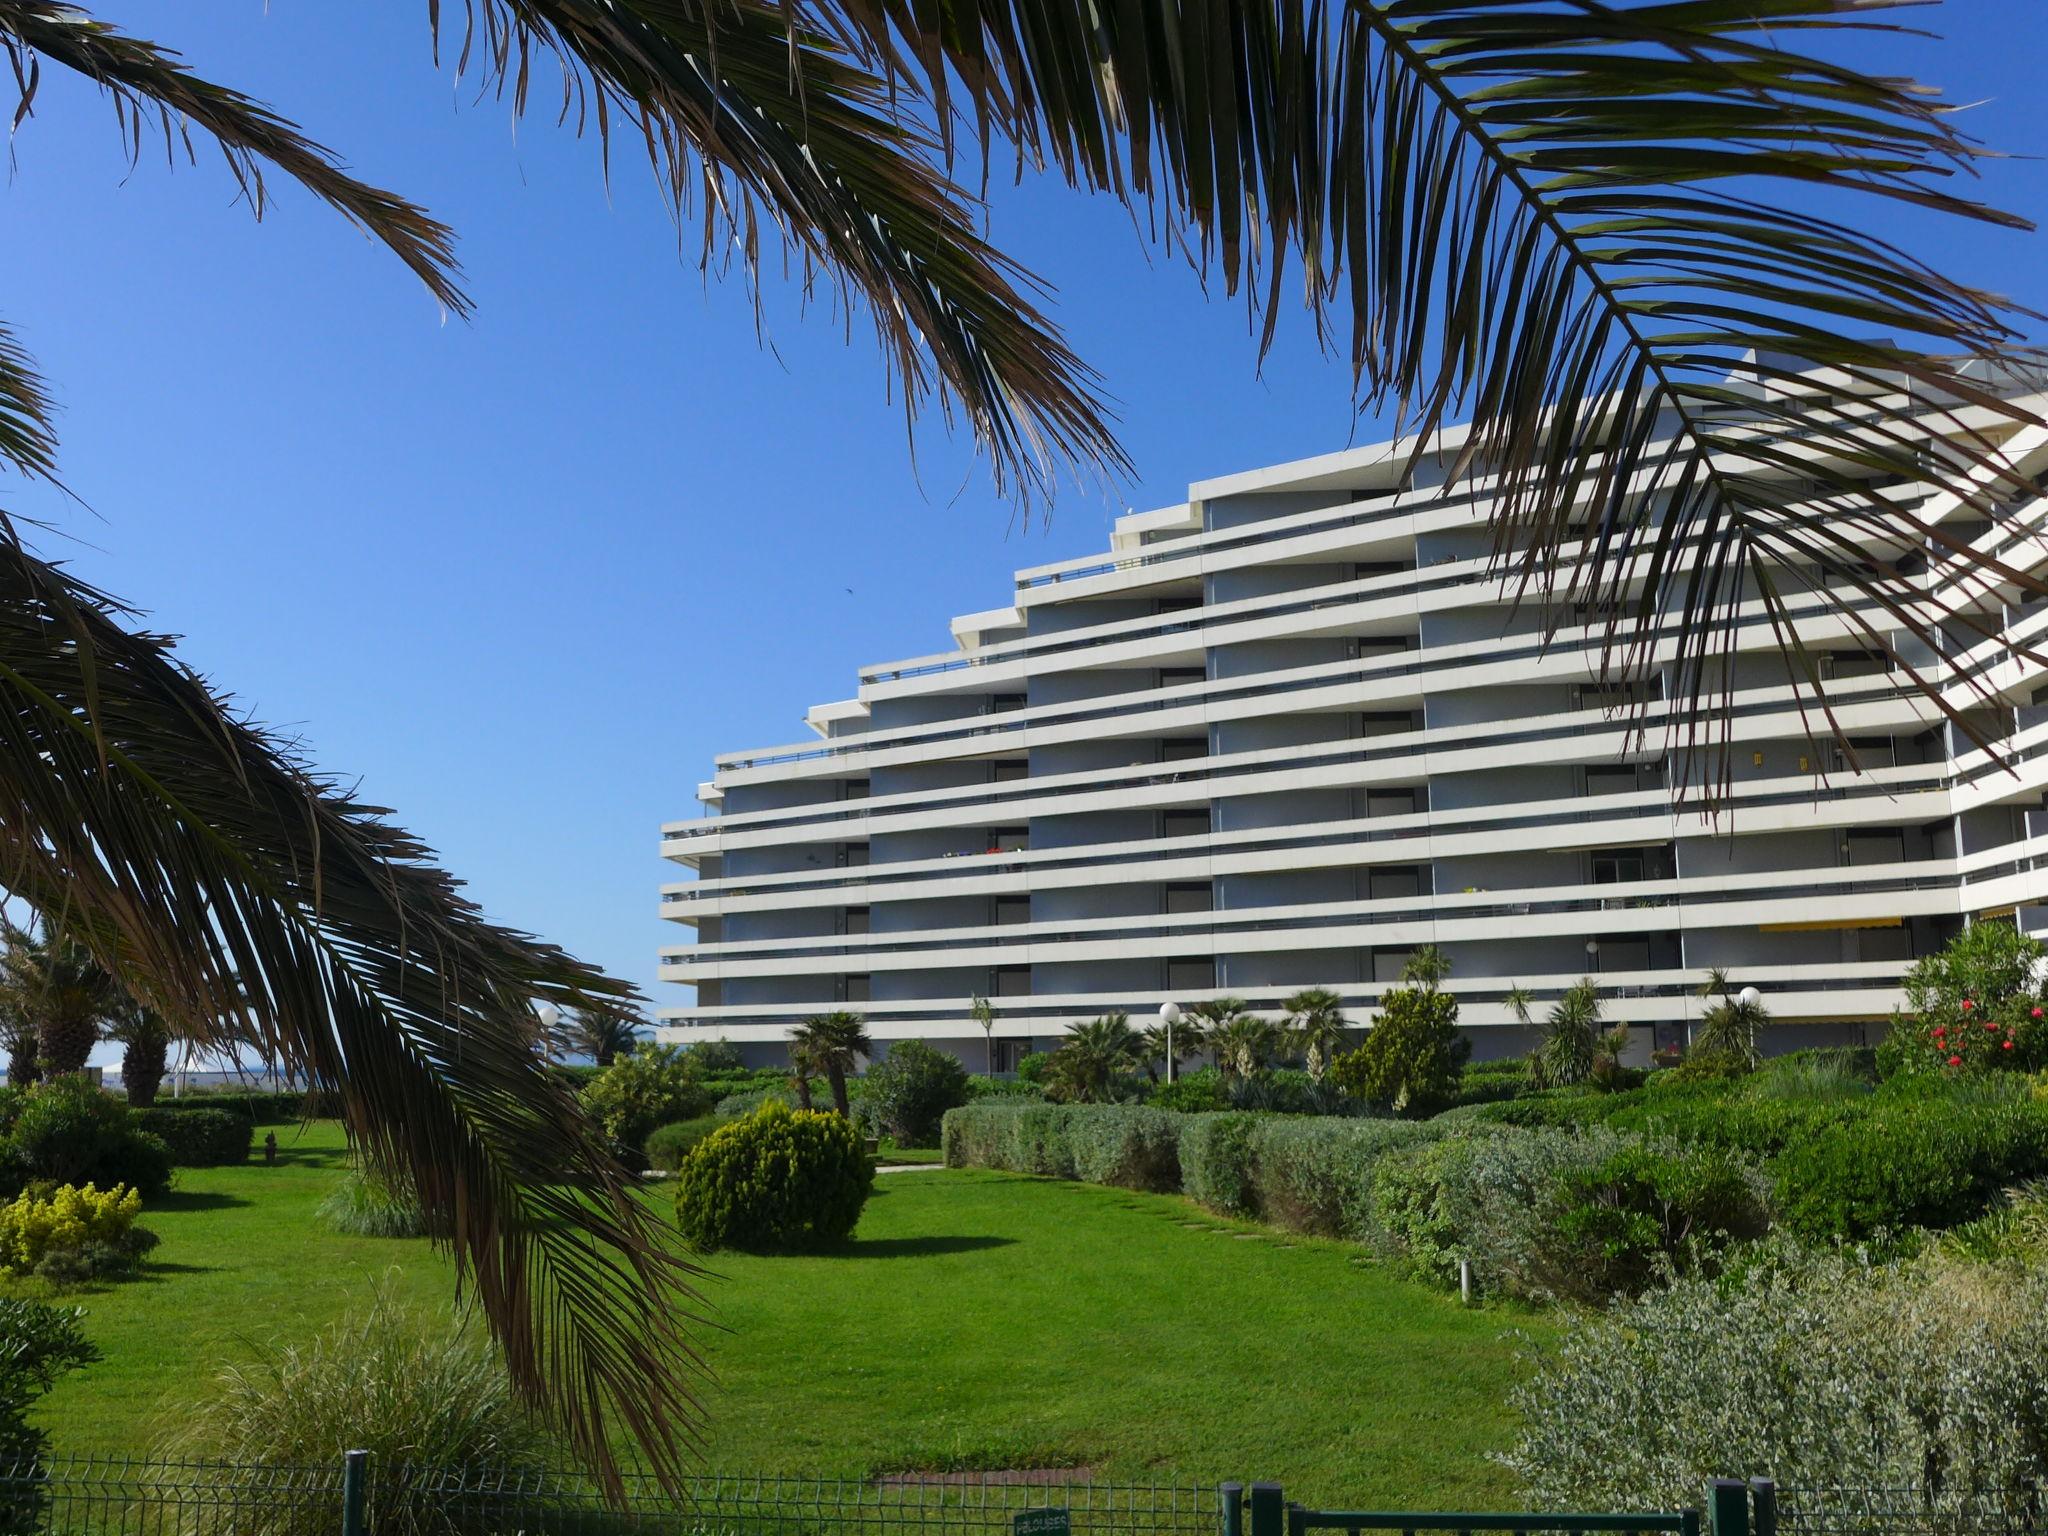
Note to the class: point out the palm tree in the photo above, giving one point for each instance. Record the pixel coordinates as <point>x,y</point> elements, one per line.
<point>145,1036</point>
<point>1316,1026</point>
<point>602,1034</point>
<point>1094,1056</point>
<point>984,1014</point>
<point>1571,1037</point>
<point>1428,968</point>
<point>18,1035</point>
<point>1529,214</point>
<point>803,1066</point>
<point>1734,1022</point>
<point>833,1043</point>
<point>1245,1044</point>
<point>61,987</point>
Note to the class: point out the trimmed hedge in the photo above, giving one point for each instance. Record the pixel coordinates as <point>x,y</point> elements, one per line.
<point>200,1138</point>
<point>1310,1175</point>
<point>1842,1167</point>
<point>259,1108</point>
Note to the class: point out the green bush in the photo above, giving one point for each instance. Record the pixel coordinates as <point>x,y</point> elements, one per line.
<point>38,1344</point>
<point>1316,1175</point>
<point>980,1087</point>
<point>671,1143</point>
<point>1310,1174</point>
<point>1412,1057</point>
<point>1202,1091</point>
<point>1031,1068</point>
<point>714,1057</point>
<point>69,1132</point>
<point>646,1089</point>
<point>424,1394</point>
<point>1816,1368</point>
<point>736,1106</point>
<point>1817,1075</point>
<point>1910,1163</point>
<point>1973,1007</point>
<point>1546,1213</point>
<point>364,1204</point>
<point>257,1106</point>
<point>780,1180</point>
<point>908,1092</point>
<point>1288,1092</point>
<point>1216,1162</point>
<point>1489,1082</point>
<point>200,1138</point>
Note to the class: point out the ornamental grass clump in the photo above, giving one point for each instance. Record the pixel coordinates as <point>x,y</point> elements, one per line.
<point>1818,1368</point>
<point>421,1391</point>
<point>778,1181</point>
<point>366,1204</point>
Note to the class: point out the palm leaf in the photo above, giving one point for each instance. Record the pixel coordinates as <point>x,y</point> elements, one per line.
<point>266,907</point>
<point>153,91</point>
<point>1571,222</point>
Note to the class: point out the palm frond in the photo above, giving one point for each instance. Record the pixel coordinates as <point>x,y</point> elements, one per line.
<point>1591,230</point>
<point>265,907</point>
<point>751,112</point>
<point>28,438</point>
<point>154,92</point>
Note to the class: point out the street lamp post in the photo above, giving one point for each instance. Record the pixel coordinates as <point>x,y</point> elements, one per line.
<point>1749,997</point>
<point>550,1016</point>
<point>1169,1015</point>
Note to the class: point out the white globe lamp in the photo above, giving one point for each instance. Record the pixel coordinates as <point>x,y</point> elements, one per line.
<point>1169,1015</point>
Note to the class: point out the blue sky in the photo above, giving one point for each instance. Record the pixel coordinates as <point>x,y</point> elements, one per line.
<point>523,575</point>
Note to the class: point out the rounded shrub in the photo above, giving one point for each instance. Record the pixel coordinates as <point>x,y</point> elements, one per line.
<point>1202,1091</point>
<point>671,1143</point>
<point>68,1132</point>
<point>909,1091</point>
<point>200,1138</point>
<point>644,1090</point>
<point>778,1181</point>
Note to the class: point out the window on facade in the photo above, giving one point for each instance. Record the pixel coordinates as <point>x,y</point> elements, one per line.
<point>1008,839</point>
<point>852,855</point>
<point>1012,909</point>
<point>1184,823</point>
<point>1843,664</point>
<point>1876,845</point>
<point>1009,770</point>
<point>1624,955</point>
<point>1002,703</point>
<point>1386,723</point>
<point>1178,749</point>
<point>1190,896</point>
<point>1871,752</point>
<point>1400,880</point>
<point>1179,603</point>
<point>1010,981</point>
<point>1010,1054</point>
<point>853,989</point>
<point>1390,802</point>
<point>1611,781</point>
<point>1614,868</point>
<point>1191,977</point>
<point>1176,677</point>
<point>855,920</point>
<point>1387,965</point>
<point>1365,570</point>
<point>856,789</point>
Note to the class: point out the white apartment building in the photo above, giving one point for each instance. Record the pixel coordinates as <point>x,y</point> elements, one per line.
<point>1285,732</point>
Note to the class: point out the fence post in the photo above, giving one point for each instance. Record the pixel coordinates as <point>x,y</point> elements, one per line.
<point>1230,1501</point>
<point>352,1467</point>
<point>1269,1510</point>
<point>1727,1507</point>
<point>1763,1504</point>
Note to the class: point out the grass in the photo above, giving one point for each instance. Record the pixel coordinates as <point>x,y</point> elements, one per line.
<point>979,1320</point>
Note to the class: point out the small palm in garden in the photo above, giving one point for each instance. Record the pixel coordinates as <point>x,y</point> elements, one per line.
<point>58,985</point>
<point>1571,1037</point>
<point>833,1043</point>
<point>1316,1026</point>
<point>1094,1057</point>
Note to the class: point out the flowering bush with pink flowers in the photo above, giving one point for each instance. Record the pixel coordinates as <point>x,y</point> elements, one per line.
<point>1977,1006</point>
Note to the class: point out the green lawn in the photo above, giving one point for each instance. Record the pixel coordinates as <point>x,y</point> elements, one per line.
<point>979,1320</point>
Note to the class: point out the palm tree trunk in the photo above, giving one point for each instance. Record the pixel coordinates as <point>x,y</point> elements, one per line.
<point>837,1074</point>
<point>23,1067</point>
<point>63,1042</point>
<point>801,1081</point>
<point>142,1069</point>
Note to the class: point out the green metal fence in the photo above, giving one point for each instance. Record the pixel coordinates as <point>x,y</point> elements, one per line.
<point>356,1496</point>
